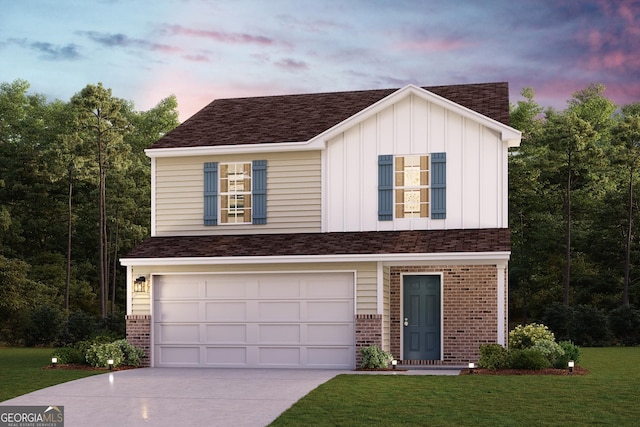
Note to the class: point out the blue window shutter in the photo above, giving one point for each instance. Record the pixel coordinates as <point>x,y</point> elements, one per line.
<point>211,193</point>
<point>259,191</point>
<point>438,185</point>
<point>385,188</point>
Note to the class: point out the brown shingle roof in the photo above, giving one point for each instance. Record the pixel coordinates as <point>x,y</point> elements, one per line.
<point>295,118</point>
<point>348,243</point>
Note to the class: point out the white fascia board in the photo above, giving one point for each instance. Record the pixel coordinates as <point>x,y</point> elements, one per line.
<point>453,257</point>
<point>267,147</point>
<point>508,134</point>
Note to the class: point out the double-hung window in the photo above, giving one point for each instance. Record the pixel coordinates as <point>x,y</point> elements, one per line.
<point>412,186</point>
<point>235,193</point>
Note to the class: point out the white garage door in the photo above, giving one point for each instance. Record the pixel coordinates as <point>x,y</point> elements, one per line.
<point>301,320</point>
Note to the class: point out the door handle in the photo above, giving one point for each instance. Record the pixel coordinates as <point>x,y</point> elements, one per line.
<point>406,321</point>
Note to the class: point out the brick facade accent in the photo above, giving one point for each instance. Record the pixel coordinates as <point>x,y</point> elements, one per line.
<point>139,335</point>
<point>469,310</point>
<point>368,332</point>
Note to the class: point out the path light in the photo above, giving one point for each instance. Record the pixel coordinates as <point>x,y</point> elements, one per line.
<point>571,365</point>
<point>110,363</point>
<point>394,363</point>
<point>472,366</point>
<point>54,362</point>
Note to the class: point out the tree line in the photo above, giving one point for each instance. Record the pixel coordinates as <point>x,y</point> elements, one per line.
<point>75,196</point>
<point>573,209</point>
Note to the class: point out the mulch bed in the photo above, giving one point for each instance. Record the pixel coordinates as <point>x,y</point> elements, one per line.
<point>549,371</point>
<point>79,367</point>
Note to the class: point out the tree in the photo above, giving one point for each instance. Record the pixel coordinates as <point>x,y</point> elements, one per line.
<point>101,123</point>
<point>626,137</point>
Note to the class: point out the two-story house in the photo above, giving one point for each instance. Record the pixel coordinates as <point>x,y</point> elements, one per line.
<point>291,231</point>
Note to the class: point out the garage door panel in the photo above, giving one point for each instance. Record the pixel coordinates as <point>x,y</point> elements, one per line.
<point>172,333</point>
<point>279,334</point>
<point>269,311</point>
<point>327,311</point>
<point>330,334</point>
<point>223,333</point>
<point>255,320</point>
<point>178,356</point>
<point>179,312</point>
<point>226,311</point>
<point>229,356</point>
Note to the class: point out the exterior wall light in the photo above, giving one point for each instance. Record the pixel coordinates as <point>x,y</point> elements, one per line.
<point>110,363</point>
<point>571,365</point>
<point>394,363</point>
<point>54,362</point>
<point>472,366</point>
<point>140,285</point>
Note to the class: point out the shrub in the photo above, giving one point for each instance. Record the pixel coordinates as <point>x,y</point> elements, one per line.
<point>44,326</point>
<point>559,318</point>
<point>80,326</point>
<point>131,355</point>
<point>549,349</point>
<point>571,352</point>
<point>373,357</point>
<point>98,355</point>
<point>493,356</point>
<point>67,355</point>
<point>522,337</point>
<point>528,358</point>
<point>625,325</point>
<point>591,326</point>
<point>114,325</point>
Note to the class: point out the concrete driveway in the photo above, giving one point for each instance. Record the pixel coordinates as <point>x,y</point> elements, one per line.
<point>179,397</point>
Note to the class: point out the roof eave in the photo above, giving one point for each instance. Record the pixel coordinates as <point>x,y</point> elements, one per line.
<point>297,259</point>
<point>266,147</point>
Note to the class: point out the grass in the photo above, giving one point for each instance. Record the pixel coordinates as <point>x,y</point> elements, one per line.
<point>607,396</point>
<point>21,371</point>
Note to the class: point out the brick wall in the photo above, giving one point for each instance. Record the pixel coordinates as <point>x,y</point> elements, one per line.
<point>368,332</point>
<point>139,334</point>
<point>470,310</point>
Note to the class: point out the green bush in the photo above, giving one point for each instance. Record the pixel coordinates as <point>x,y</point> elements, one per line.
<point>571,352</point>
<point>493,356</point>
<point>528,358</point>
<point>44,326</point>
<point>591,326</point>
<point>549,349</point>
<point>114,325</point>
<point>99,354</point>
<point>625,325</point>
<point>525,336</point>
<point>84,345</point>
<point>373,357</point>
<point>67,355</point>
<point>560,319</point>
<point>131,355</point>
<point>80,326</point>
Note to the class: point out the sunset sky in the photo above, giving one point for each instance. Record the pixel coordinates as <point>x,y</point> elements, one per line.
<point>200,50</point>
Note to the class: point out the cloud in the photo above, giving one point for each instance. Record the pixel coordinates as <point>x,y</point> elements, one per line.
<point>292,64</point>
<point>122,40</point>
<point>219,36</point>
<point>197,58</point>
<point>432,45</point>
<point>48,51</point>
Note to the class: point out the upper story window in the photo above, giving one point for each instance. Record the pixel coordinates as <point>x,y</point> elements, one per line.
<point>235,193</point>
<point>411,186</point>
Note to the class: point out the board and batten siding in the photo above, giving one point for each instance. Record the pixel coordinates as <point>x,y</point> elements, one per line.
<point>366,279</point>
<point>476,168</point>
<point>293,194</point>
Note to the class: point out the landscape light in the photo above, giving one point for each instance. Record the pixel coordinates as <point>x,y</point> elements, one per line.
<point>110,363</point>
<point>394,363</point>
<point>571,365</point>
<point>54,362</point>
<point>472,366</point>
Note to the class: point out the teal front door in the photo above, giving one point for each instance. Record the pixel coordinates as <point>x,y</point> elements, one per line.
<point>421,317</point>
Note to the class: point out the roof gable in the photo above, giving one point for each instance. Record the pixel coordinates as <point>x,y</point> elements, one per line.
<point>295,118</point>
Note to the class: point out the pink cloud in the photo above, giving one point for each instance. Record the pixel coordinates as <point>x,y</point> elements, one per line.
<point>224,37</point>
<point>196,58</point>
<point>432,45</point>
<point>292,64</point>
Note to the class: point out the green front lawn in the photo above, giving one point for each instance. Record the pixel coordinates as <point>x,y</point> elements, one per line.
<point>21,371</point>
<point>608,396</point>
